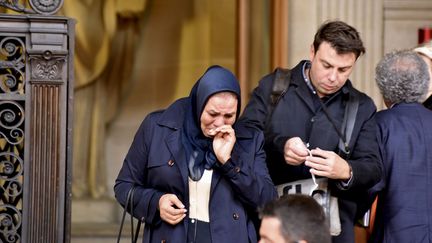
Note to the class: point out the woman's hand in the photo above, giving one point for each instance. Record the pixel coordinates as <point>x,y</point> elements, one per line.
<point>171,209</point>
<point>223,142</point>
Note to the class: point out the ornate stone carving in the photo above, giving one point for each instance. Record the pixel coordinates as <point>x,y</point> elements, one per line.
<point>45,7</point>
<point>36,88</point>
<point>14,5</point>
<point>47,67</point>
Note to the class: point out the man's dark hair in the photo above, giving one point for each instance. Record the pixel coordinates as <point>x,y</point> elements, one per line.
<point>301,217</point>
<point>341,36</point>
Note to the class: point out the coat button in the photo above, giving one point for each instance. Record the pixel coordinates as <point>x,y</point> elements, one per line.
<point>236,216</point>
<point>171,162</point>
<point>237,169</point>
<point>312,119</point>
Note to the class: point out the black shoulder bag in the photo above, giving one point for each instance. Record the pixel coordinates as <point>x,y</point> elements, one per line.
<point>129,204</point>
<point>280,86</point>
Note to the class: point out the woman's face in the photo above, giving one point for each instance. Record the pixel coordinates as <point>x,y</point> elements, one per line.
<point>221,109</point>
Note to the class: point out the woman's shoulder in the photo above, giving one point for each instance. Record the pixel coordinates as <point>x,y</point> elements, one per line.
<point>172,116</point>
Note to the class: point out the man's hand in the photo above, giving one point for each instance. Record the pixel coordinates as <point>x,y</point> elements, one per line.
<point>295,151</point>
<point>171,209</point>
<point>223,142</point>
<point>328,164</point>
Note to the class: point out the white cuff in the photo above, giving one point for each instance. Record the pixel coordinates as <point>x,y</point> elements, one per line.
<point>345,183</point>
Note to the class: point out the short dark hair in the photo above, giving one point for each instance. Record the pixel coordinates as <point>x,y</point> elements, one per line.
<point>341,36</point>
<point>301,217</point>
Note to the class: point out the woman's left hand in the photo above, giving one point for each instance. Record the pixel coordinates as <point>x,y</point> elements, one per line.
<point>223,142</point>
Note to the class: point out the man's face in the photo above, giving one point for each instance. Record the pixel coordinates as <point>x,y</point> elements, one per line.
<point>221,109</point>
<point>329,70</point>
<point>270,231</point>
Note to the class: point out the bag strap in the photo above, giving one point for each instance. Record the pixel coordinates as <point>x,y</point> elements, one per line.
<point>129,203</point>
<point>347,128</point>
<point>351,109</point>
<point>134,237</point>
<point>280,87</point>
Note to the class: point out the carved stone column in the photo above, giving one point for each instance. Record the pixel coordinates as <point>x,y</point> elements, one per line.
<point>36,94</point>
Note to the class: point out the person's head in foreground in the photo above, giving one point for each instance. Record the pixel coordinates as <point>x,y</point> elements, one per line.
<point>293,218</point>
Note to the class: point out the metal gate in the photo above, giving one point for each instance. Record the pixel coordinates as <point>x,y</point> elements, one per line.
<point>36,95</point>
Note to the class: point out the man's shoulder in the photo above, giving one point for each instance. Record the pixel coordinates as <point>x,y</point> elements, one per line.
<point>363,98</point>
<point>384,115</point>
<point>244,130</point>
<point>267,80</point>
<point>407,110</point>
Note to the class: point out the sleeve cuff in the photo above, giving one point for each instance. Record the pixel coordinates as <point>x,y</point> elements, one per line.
<point>153,209</point>
<point>344,184</point>
<point>229,168</point>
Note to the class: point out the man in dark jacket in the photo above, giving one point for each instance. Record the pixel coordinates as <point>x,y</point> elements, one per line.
<point>404,195</point>
<point>306,126</point>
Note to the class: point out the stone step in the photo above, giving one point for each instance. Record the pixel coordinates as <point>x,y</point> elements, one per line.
<point>98,221</point>
<point>95,211</point>
<point>101,232</point>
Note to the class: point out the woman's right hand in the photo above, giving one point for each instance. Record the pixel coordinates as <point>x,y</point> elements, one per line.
<point>171,209</point>
<point>295,151</point>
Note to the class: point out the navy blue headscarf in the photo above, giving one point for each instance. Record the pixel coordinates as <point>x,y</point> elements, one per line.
<point>199,149</point>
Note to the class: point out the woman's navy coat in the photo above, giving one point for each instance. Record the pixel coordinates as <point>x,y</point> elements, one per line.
<point>156,163</point>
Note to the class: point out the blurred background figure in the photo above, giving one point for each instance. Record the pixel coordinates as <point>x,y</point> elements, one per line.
<point>425,52</point>
<point>294,218</point>
<point>404,134</point>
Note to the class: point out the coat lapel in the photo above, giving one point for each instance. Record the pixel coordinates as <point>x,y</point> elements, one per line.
<point>216,177</point>
<point>304,93</point>
<point>176,148</point>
